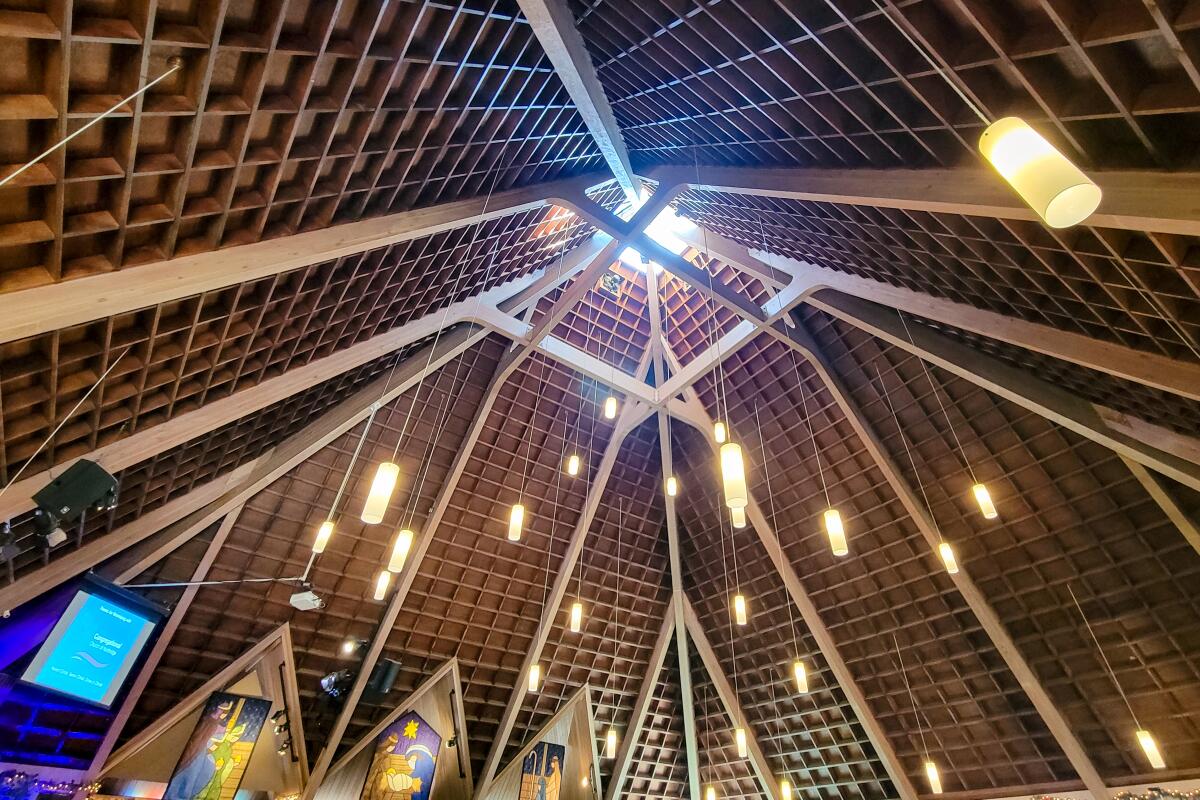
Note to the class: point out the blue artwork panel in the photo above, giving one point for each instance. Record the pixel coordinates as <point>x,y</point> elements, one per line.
<point>403,764</point>
<point>542,771</point>
<point>215,758</point>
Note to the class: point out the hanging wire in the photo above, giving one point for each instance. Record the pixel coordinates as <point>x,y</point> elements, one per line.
<point>812,431</point>
<point>911,698</point>
<point>719,389</point>
<point>1103,656</point>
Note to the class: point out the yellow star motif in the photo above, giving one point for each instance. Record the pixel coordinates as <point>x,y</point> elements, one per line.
<point>410,730</point>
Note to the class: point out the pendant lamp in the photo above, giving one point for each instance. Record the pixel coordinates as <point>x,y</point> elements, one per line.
<point>576,616</point>
<point>535,676</point>
<point>573,465</point>
<point>948,559</point>
<point>739,609</point>
<point>610,407</point>
<point>516,520</point>
<point>610,742</point>
<point>381,584</point>
<point>739,738</point>
<point>785,789</point>
<point>984,499</point>
<point>404,540</point>
<point>719,432</point>
<point>935,779</point>
<point>733,475</point>
<point>710,792</point>
<point>1150,748</point>
<point>801,676</point>
<point>672,486</point>
<point>381,493</point>
<point>738,517</point>
<point>324,533</point>
<point>837,533</point>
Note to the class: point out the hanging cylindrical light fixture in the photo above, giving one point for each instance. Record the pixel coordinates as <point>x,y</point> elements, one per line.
<point>785,789</point>
<point>573,465</point>
<point>576,616</point>
<point>738,517</point>
<point>733,475</point>
<point>739,738</point>
<point>672,486</point>
<point>535,676</point>
<point>610,407</point>
<point>935,779</point>
<point>837,533</point>
<point>1054,188</point>
<point>1150,748</point>
<point>740,615</point>
<point>719,432</point>
<point>381,584</point>
<point>948,559</point>
<point>516,520</point>
<point>404,540</point>
<point>800,674</point>
<point>380,495</point>
<point>610,742</point>
<point>984,499</point>
<point>710,792</point>
<point>324,533</point>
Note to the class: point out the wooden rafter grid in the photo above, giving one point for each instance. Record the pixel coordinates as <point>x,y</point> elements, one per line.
<point>1071,514</point>
<point>720,765</point>
<point>610,324</point>
<point>692,321</point>
<point>1120,286</point>
<point>835,82</point>
<point>814,739</point>
<point>201,348</point>
<point>890,584</point>
<point>659,762</point>
<point>625,599</point>
<point>274,533</point>
<point>287,115</point>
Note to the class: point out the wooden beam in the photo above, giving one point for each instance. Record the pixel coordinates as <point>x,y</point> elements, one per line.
<point>631,416</point>
<point>1140,201</point>
<point>1185,522</point>
<point>733,707</point>
<point>640,706</point>
<point>554,25</point>
<point>1149,369</point>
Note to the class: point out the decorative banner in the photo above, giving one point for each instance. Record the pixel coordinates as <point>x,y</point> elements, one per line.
<point>541,773</point>
<point>219,749</point>
<point>405,757</point>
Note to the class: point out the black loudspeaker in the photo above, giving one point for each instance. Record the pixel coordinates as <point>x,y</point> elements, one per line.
<point>85,484</point>
<point>383,676</point>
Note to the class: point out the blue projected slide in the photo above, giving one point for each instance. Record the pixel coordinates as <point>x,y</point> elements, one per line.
<point>91,649</point>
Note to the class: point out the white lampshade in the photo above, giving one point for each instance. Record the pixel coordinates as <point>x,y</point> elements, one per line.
<point>733,475</point>
<point>672,486</point>
<point>576,616</point>
<point>573,465</point>
<point>324,533</point>
<point>740,615</point>
<point>739,738</point>
<point>738,517</point>
<point>986,506</point>
<point>935,780</point>
<point>710,792</point>
<point>403,544</point>
<point>719,432</point>
<point>610,407</point>
<point>381,584</point>
<point>535,676</point>
<point>947,554</point>
<point>801,676</point>
<point>516,520</point>
<point>785,789</point>
<point>1150,748</point>
<point>1047,181</point>
<point>584,781</point>
<point>837,533</point>
<point>381,493</point>
<point>610,743</point>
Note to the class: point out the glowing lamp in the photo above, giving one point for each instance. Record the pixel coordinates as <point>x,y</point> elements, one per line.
<point>324,533</point>
<point>381,584</point>
<point>381,493</point>
<point>583,781</point>
<point>535,676</point>
<point>576,616</point>
<point>404,540</point>
<point>837,533</point>
<point>733,474</point>
<point>739,738</point>
<point>672,486</point>
<point>947,554</point>
<point>935,780</point>
<point>1047,181</point>
<point>610,743</point>
<point>739,609</point>
<point>985,501</point>
<point>710,792</point>
<point>516,519</point>
<point>573,465</point>
<point>1150,748</point>
<point>738,517</point>
<point>785,789</point>
<point>610,407</point>
<point>719,432</point>
<point>349,646</point>
<point>801,676</point>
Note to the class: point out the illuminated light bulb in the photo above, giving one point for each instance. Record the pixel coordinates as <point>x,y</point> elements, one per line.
<point>324,534</point>
<point>837,533</point>
<point>733,475</point>
<point>1046,180</point>
<point>573,465</point>
<point>739,609</point>
<point>672,486</point>
<point>739,738</point>
<point>738,517</point>
<point>516,520</point>
<point>610,743</point>
<point>710,792</point>
<point>947,554</point>
<point>935,780</point>
<point>404,540</point>
<point>381,584</point>
<point>535,676</point>
<point>610,407</point>
<point>1150,748</point>
<point>785,789</point>
<point>801,676</point>
<point>985,501</point>
<point>349,646</point>
<point>719,432</point>
<point>381,493</point>
<point>576,616</point>
<point>583,781</point>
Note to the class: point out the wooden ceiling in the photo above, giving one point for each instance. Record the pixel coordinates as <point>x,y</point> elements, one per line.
<point>294,116</point>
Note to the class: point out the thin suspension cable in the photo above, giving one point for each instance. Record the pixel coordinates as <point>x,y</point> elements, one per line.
<point>714,340</point>
<point>762,442</point>
<point>812,431</point>
<point>900,429</point>
<point>911,698</point>
<point>721,518</point>
<point>1104,656</point>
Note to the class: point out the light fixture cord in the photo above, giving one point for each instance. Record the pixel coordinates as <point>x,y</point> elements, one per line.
<point>1104,657</point>
<point>808,422</point>
<point>762,442</point>
<point>911,698</point>
<point>722,400</point>
<point>721,519</point>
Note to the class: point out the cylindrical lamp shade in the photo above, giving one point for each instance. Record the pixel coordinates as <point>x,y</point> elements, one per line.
<point>733,475</point>
<point>610,743</point>
<point>984,499</point>
<point>573,465</point>
<point>740,614</point>
<point>381,493</point>
<point>381,584</point>
<point>516,521</point>
<point>935,780</point>
<point>576,617</point>
<point>324,534</point>
<point>948,559</point>
<point>1150,748</point>
<point>610,407</point>
<point>837,533</point>
<point>710,792</point>
<point>1054,188</point>
<point>719,432</point>
<point>535,676</point>
<point>672,486</point>
<point>738,517</point>
<point>739,738</point>
<point>404,540</point>
<point>785,789</point>
<point>801,676</point>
